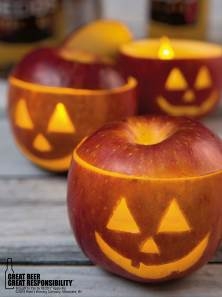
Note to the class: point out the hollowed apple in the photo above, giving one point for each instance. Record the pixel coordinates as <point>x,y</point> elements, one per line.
<point>144,197</point>
<point>57,97</point>
<point>180,78</point>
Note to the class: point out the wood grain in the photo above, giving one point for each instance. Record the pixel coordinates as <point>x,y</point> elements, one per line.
<point>34,220</point>
<point>92,281</point>
<point>35,227</point>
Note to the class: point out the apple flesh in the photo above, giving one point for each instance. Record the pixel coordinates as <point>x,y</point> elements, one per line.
<point>101,37</point>
<point>146,164</point>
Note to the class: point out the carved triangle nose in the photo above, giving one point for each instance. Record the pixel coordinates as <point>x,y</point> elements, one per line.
<point>149,246</point>
<point>41,144</point>
<point>189,96</point>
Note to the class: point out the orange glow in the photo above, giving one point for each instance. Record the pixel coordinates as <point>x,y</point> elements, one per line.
<point>193,111</point>
<point>22,117</point>
<point>173,49</point>
<point>60,121</point>
<point>153,271</point>
<point>57,165</point>
<point>189,96</point>
<point>176,80</point>
<point>203,79</point>
<point>122,220</point>
<point>166,51</point>
<point>149,246</point>
<point>41,144</point>
<point>173,220</point>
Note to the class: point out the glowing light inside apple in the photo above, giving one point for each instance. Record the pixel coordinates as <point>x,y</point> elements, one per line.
<point>166,51</point>
<point>60,121</point>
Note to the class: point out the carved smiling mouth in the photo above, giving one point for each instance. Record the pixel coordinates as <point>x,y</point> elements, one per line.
<point>171,109</point>
<point>153,271</point>
<point>56,164</point>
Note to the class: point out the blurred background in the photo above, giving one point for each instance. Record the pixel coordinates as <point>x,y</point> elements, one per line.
<point>25,24</point>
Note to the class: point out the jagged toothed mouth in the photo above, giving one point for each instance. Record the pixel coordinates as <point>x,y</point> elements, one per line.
<point>153,272</point>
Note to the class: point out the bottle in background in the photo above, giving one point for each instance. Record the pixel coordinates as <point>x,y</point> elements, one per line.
<point>132,12</point>
<point>25,24</point>
<point>80,12</point>
<point>179,18</point>
<point>9,270</point>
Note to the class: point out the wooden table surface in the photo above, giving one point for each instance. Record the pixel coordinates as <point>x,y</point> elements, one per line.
<point>35,233</point>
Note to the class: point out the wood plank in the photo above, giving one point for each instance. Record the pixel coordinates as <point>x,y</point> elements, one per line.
<point>3,92</point>
<point>34,223</point>
<point>93,281</point>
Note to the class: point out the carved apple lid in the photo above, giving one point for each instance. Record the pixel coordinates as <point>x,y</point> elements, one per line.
<point>152,147</point>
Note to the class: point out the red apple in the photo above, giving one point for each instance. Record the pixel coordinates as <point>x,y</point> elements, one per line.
<point>59,96</point>
<point>144,197</point>
<point>176,77</point>
<point>68,68</point>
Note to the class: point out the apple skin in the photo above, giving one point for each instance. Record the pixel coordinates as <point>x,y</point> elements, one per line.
<point>47,66</point>
<point>186,165</point>
<point>102,37</point>
<point>151,84</point>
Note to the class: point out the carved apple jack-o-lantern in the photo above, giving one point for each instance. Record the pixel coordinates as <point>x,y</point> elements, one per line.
<point>141,204</point>
<point>177,86</point>
<point>180,79</point>
<point>48,121</point>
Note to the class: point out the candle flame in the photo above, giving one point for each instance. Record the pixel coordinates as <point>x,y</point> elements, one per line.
<point>166,51</point>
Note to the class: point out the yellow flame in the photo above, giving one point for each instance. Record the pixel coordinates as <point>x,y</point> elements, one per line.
<point>60,121</point>
<point>166,51</point>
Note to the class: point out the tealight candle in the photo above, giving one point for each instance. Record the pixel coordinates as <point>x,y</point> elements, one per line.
<point>176,77</point>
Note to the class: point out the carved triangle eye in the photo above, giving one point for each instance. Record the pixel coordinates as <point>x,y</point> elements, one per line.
<point>203,79</point>
<point>60,121</point>
<point>174,220</point>
<point>176,80</point>
<point>22,116</point>
<point>122,219</point>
